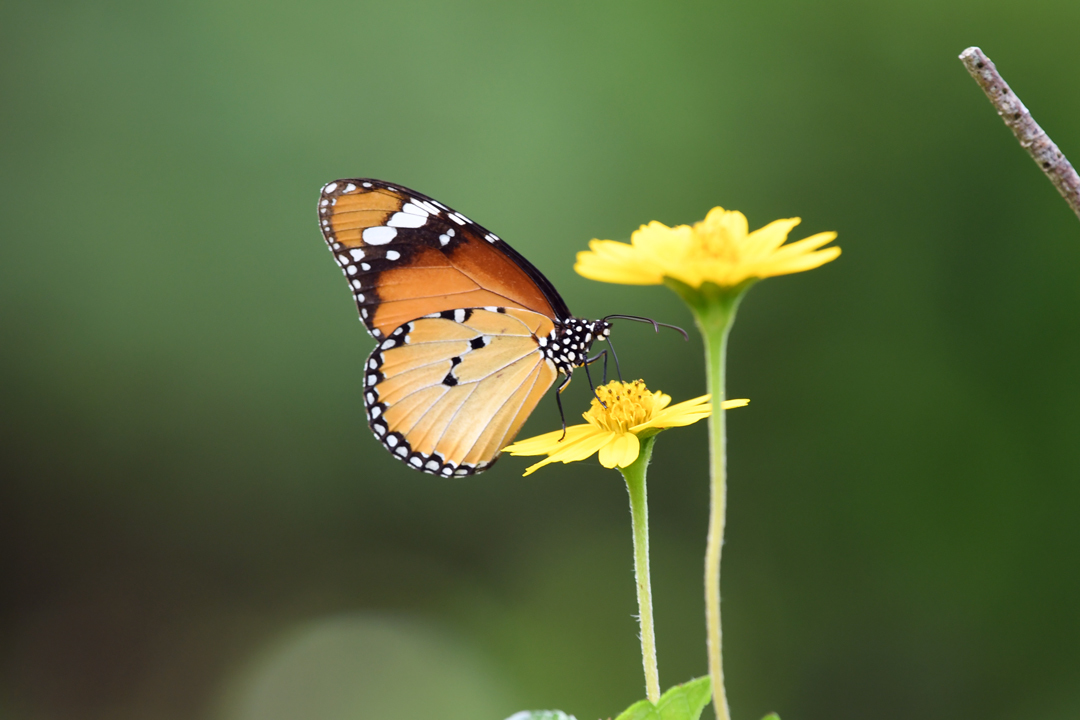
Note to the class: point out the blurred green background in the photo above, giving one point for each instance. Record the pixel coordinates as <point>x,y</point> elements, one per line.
<point>196,523</point>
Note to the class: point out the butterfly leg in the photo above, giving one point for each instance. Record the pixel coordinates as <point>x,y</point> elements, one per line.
<point>558,401</point>
<point>601,354</point>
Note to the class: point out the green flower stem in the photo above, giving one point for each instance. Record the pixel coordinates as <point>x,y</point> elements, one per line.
<point>634,474</point>
<point>714,311</point>
<point>716,336</point>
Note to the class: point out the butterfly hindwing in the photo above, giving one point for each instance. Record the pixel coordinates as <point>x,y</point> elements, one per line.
<point>406,256</point>
<point>446,392</point>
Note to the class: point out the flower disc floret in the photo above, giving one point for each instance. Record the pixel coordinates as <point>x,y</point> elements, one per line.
<point>619,406</point>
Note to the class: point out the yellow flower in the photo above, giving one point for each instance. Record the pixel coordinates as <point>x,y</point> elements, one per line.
<point>718,249</point>
<point>633,413</point>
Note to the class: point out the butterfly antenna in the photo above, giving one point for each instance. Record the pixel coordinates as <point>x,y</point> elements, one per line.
<point>656,325</point>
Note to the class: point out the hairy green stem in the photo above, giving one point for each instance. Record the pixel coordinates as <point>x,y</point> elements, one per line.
<point>714,311</point>
<point>634,474</point>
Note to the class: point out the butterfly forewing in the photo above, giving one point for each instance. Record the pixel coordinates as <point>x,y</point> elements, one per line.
<point>406,256</point>
<point>446,392</point>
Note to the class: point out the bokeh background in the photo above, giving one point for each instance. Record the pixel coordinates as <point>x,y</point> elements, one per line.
<point>196,523</point>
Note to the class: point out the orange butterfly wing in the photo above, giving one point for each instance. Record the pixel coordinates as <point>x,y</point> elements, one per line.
<point>445,393</point>
<point>406,255</point>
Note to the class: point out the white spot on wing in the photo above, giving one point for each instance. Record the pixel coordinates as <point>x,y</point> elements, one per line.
<point>330,188</point>
<point>425,206</point>
<point>379,235</point>
<point>349,188</point>
<point>357,253</point>
<point>406,220</point>
<point>413,208</point>
<point>392,254</point>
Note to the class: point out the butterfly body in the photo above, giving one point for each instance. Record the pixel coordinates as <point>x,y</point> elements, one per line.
<point>470,334</point>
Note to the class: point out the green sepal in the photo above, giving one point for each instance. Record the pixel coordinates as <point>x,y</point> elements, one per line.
<point>713,307</point>
<point>771,716</point>
<point>541,715</point>
<point>709,294</point>
<point>682,702</point>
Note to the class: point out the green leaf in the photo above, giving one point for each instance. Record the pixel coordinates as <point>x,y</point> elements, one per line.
<point>541,715</point>
<point>682,702</point>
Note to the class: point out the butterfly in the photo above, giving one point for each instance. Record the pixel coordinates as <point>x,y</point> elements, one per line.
<point>470,334</point>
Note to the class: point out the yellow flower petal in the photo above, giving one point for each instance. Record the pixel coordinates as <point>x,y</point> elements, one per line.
<point>621,451</point>
<point>550,442</point>
<point>615,262</point>
<point>764,241</point>
<point>806,262</point>
<point>582,449</point>
<point>804,246</point>
<point>684,413</point>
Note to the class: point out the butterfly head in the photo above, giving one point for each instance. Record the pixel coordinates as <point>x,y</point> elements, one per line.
<point>568,344</point>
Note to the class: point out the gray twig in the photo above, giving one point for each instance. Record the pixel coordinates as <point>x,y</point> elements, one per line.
<point>1032,138</point>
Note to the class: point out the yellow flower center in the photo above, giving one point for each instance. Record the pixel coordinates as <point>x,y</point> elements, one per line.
<point>628,404</point>
<point>718,235</point>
